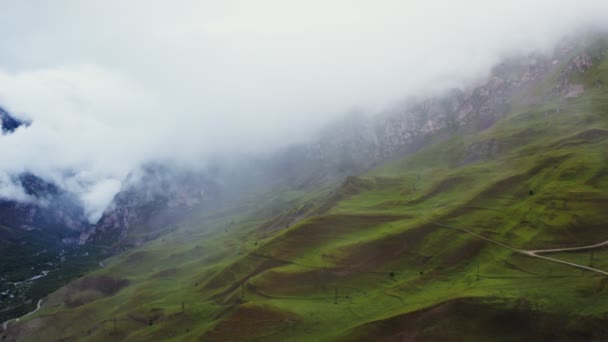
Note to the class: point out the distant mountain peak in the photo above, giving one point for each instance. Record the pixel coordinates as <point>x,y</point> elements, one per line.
<point>8,122</point>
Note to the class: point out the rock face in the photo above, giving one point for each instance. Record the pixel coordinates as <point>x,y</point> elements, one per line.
<point>359,142</point>
<point>154,199</point>
<point>7,122</point>
<point>50,208</point>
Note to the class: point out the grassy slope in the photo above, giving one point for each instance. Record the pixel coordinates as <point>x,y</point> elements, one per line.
<point>368,265</point>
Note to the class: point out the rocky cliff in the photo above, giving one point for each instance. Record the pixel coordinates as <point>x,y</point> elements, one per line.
<point>50,208</point>
<point>7,122</point>
<point>153,199</point>
<point>359,142</point>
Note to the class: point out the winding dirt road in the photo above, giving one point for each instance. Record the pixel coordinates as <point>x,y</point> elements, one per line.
<point>535,253</point>
<point>5,324</point>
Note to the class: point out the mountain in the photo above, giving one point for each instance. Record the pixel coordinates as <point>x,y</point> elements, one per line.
<point>8,122</point>
<point>36,256</point>
<point>477,212</point>
<point>48,240</point>
<point>33,252</point>
<point>50,208</point>
<point>150,202</point>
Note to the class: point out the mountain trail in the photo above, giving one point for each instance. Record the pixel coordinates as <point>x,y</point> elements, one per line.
<point>535,253</point>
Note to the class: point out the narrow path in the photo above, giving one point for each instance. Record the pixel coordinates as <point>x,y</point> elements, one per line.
<point>529,253</point>
<point>5,324</point>
<point>535,253</point>
<point>570,249</point>
<point>36,309</point>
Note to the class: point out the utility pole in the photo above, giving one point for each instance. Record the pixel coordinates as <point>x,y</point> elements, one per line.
<point>336,296</point>
<point>323,278</point>
<point>183,307</point>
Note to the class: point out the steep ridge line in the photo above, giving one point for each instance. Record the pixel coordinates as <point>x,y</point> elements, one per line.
<point>534,253</point>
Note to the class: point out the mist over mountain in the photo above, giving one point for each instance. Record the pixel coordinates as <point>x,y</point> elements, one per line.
<point>110,87</point>
<point>313,171</point>
<point>7,122</point>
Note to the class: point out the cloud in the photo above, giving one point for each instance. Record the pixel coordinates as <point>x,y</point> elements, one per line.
<point>9,189</point>
<point>99,197</point>
<point>88,129</point>
<point>111,85</point>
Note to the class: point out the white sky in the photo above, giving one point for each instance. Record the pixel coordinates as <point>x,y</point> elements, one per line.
<point>110,85</point>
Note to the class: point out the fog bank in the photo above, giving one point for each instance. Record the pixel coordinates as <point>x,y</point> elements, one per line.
<point>110,86</point>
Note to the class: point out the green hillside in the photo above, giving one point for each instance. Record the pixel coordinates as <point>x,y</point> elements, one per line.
<point>381,256</point>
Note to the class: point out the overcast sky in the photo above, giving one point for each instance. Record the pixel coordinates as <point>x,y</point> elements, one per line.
<point>110,85</point>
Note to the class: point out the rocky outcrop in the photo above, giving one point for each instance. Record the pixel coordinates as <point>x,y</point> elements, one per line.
<point>586,55</point>
<point>360,142</point>
<point>480,151</point>
<point>8,123</point>
<point>154,198</point>
<point>50,208</point>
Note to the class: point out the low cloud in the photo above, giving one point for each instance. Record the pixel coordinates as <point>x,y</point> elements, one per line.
<point>10,189</point>
<point>110,86</point>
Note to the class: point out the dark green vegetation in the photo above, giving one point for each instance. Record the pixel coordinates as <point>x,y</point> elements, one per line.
<point>365,263</point>
<point>33,264</point>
